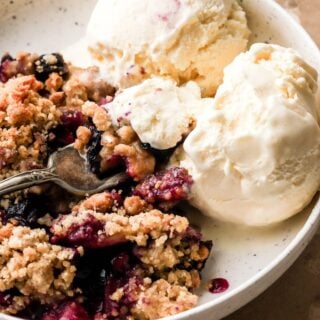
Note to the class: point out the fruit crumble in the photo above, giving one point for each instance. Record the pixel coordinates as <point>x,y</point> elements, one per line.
<point>119,254</point>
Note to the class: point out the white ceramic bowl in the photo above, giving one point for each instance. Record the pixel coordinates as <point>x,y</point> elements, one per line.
<point>250,259</point>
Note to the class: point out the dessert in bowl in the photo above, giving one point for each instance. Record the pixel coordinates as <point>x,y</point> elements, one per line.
<point>232,249</point>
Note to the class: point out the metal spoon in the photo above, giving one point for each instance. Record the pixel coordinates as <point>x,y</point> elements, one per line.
<point>66,168</point>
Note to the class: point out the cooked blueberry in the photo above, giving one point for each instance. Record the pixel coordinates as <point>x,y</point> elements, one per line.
<point>72,120</point>
<point>5,300</point>
<point>120,309</point>
<point>91,278</point>
<point>27,211</point>
<point>193,234</point>
<point>121,262</point>
<point>93,150</point>
<point>95,267</point>
<point>34,311</point>
<point>65,132</point>
<point>162,156</point>
<point>49,63</point>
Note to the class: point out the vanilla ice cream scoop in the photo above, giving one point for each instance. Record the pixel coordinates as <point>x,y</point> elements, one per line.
<point>255,156</point>
<point>130,40</point>
<point>160,112</point>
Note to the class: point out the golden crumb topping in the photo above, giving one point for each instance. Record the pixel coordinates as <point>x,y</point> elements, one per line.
<point>162,299</point>
<point>29,263</point>
<point>25,118</point>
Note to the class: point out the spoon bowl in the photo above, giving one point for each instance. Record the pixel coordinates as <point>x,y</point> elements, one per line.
<point>68,169</point>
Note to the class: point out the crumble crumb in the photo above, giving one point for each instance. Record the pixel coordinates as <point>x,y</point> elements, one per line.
<point>54,83</point>
<point>135,205</point>
<point>161,254</point>
<point>140,163</point>
<point>89,83</point>
<point>83,137</point>
<point>162,299</point>
<point>126,134</point>
<point>29,263</point>
<point>21,104</point>
<point>190,279</point>
<point>99,116</point>
<point>99,202</point>
<point>117,144</point>
<point>25,118</point>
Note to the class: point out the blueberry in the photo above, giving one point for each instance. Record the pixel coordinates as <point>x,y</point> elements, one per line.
<point>71,120</point>
<point>49,63</point>
<point>33,311</point>
<point>27,211</point>
<point>120,263</point>
<point>5,300</point>
<point>93,149</point>
<point>65,132</point>
<point>94,269</point>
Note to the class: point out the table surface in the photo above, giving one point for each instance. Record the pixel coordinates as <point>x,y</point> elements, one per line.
<point>296,295</point>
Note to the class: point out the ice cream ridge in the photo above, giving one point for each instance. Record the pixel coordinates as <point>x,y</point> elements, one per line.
<point>254,156</point>
<point>132,40</point>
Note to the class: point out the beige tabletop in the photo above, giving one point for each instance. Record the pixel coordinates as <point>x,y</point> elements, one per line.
<point>296,295</point>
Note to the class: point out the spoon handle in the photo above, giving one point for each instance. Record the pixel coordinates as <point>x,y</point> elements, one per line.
<point>25,180</point>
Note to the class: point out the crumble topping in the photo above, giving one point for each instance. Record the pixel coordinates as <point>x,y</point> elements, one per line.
<point>139,163</point>
<point>162,299</point>
<point>83,137</point>
<point>116,145</point>
<point>84,85</point>
<point>138,228</point>
<point>25,118</point>
<point>189,279</point>
<point>100,202</point>
<point>163,253</point>
<point>33,266</point>
<point>135,205</point>
<point>154,257</point>
<point>54,83</point>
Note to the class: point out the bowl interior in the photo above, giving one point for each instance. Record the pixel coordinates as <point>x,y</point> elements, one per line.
<point>250,259</point>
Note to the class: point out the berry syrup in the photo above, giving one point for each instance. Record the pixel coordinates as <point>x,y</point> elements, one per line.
<point>218,285</point>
